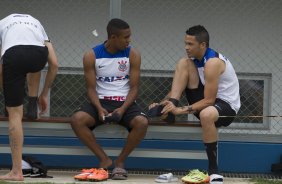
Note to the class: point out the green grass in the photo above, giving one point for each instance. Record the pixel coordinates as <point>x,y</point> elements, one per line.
<point>264,181</point>
<point>13,182</point>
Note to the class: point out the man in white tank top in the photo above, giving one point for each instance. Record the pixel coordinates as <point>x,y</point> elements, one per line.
<point>212,90</point>
<point>112,72</point>
<point>25,50</point>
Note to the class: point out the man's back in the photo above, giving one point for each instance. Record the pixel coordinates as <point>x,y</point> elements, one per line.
<point>21,29</point>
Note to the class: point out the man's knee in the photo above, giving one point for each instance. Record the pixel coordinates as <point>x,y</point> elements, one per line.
<point>140,123</point>
<point>182,64</point>
<point>208,116</point>
<point>78,119</point>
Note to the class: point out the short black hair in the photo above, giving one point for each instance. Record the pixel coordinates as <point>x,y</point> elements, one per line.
<point>200,33</point>
<point>115,25</point>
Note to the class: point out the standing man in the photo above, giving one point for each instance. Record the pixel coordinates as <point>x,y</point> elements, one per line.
<point>112,72</point>
<point>212,90</point>
<point>25,49</point>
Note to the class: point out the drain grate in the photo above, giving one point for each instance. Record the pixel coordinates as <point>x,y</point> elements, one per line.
<point>251,175</point>
<point>183,173</point>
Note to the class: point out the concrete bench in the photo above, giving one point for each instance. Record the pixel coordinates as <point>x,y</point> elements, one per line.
<point>52,139</point>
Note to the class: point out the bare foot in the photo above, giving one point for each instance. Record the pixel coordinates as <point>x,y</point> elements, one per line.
<point>11,176</point>
<point>106,163</point>
<point>119,164</point>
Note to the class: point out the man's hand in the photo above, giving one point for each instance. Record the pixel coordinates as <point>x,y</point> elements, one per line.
<point>102,113</point>
<point>170,107</point>
<point>117,114</point>
<point>153,105</point>
<point>42,104</point>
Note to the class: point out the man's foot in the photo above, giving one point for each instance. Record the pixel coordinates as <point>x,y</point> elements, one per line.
<point>11,176</point>
<point>106,163</point>
<point>216,179</point>
<point>32,108</point>
<point>119,164</point>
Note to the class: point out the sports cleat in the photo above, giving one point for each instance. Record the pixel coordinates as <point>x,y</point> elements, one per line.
<point>216,179</point>
<point>84,173</point>
<point>195,177</point>
<point>98,175</point>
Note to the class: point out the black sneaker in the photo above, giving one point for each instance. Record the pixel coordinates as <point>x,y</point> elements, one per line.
<point>26,172</point>
<point>32,108</point>
<point>155,111</point>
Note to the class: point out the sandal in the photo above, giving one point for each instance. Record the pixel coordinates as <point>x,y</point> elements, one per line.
<point>119,174</point>
<point>166,178</point>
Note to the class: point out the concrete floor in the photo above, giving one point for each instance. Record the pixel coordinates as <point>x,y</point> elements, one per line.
<point>66,177</point>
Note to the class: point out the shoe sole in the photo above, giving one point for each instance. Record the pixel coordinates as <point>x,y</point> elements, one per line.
<point>201,182</point>
<point>96,180</point>
<point>185,182</point>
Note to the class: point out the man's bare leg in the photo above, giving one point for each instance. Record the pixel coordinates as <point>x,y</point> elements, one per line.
<point>136,135</point>
<point>208,116</point>
<point>16,143</point>
<point>80,122</point>
<point>185,75</point>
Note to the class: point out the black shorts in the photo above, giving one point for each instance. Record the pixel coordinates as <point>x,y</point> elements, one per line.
<point>110,105</point>
<point>17,62</point>
<point>223,108</point>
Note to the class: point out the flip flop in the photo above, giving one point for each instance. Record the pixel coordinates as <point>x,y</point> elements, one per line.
<point>166,178</point>
<point>119,174</point>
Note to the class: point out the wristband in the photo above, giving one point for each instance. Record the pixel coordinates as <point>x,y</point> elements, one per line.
<point>174,101</point>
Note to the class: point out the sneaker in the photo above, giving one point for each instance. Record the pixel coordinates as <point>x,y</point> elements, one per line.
<point>196,176</point>
<point>32,108</point>
<point>98,175</point>
<point>216,179</point>
<point>26,172</point>
<point>166,178</point>
<point>84,173</point>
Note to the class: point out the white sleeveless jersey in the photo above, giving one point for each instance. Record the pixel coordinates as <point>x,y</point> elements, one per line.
<point>228,85</point>
<point>21,29</point>
<point>112,73</point>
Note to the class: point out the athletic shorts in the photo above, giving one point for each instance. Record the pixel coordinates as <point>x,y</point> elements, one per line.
<point>17,62</point>
<point>110,105</point>
<point>223,108</point>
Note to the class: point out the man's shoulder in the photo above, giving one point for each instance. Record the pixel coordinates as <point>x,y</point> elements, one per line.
<point>89,54</point>
<point>133,51</point>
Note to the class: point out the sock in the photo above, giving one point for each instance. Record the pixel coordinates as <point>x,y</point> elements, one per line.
<point>211,149</point>
<point>32,107</point>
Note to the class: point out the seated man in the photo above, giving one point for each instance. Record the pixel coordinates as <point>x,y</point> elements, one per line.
<point>212,90</point>
<point>112,72</point>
